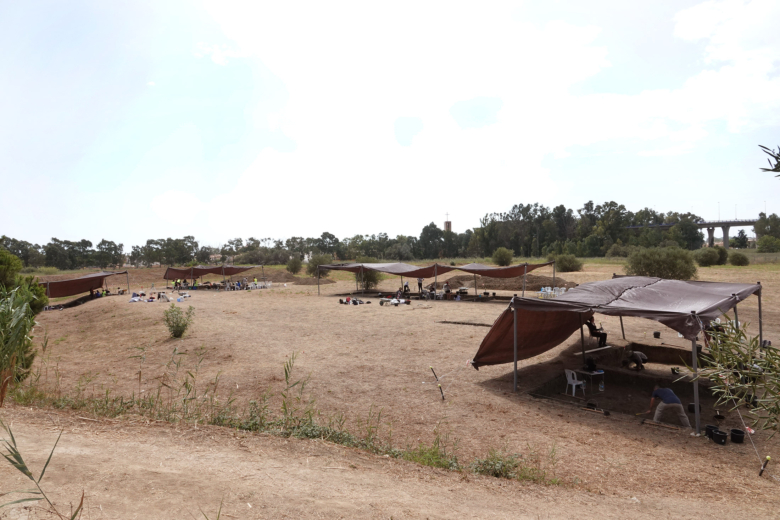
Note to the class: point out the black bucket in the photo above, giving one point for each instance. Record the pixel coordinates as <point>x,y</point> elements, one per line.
<point>692,408</point>
<point>737,436</point>
<point>709,429</point>
<point>719,437</point>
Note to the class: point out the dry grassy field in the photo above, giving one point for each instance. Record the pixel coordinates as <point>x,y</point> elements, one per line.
<point>360,361</point>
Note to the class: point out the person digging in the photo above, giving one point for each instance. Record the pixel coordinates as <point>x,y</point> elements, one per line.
<point>668,401</point>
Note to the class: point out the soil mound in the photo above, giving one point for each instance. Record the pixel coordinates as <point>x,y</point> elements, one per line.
<point>313,281</point>
<point>532,283</point>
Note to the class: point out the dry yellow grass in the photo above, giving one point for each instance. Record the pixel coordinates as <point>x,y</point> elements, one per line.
<point>364,356</point>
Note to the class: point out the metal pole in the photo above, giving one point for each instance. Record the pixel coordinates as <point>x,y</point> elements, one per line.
<point>582,338</point>
<point>128,282</point>
<point>554,275</point>
<point>318,281</point>
<point>694,359</point>
<point>435,279</point>
<point>525,272</point>
<point>621,328</point>
<point>514,312</point>
<point>47,289</point>
<point>475,284</point>
<point>760,321</point>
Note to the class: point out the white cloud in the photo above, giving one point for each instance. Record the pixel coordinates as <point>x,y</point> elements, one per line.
<point>351,70</point>
<point>151,83</point>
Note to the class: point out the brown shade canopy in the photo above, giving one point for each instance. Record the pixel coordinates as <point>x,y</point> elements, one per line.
<point>545,324</point>
<point>415,271</point>
<point>90,282</point>
<point>176,273</point>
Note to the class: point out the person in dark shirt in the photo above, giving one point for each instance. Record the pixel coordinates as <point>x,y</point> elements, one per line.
<point>669,401</point>
<point>596,332</point>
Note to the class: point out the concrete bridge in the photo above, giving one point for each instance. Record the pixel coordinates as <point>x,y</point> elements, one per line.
<point>710,226</point>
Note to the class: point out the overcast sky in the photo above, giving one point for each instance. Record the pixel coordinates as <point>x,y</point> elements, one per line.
<point>136,120</point>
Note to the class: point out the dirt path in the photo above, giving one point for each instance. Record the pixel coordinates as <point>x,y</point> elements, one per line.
<point>152,471</point>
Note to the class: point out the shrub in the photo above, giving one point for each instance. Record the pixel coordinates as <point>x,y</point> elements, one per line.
<point>497,464</point>
<point>368,279</point>
<point>620,251</point>
<point>707,257</point>
<point>30,291</point>
<point>16,350</point>
<point>294,265</point>
<point>739,259</point>
<point>317,260</point>
<point>768,244</point>
<point>502,256</point>
<point>177,320</point>
<point>567,263</point>
<point>663,262</point>
<point>723,255</point>
<point>10,265</point>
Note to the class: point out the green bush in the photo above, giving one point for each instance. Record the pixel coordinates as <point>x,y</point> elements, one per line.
<point>707,257</point>
<point>497,464</point>
<point>723,255</point>
<point>368,279</point>
<point>738,259</point>
<point>294,265</point>
<point>177,320</point>
<point>663,262</point>
<point>502,256</point>
<point>16,323</point>
<point>10,265</point>
<point>317,260</point>
<point>567,263</point>
<point>34,294</point>
<point>620,251</point>
<point>768,244</point>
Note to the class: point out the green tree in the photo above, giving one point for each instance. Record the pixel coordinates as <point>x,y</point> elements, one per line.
<point>767,225</point>
<point>367,279</point>
<point>768,244</point>
<point>431,241</point>
<point>316,261</point>
<point>294,265</point>
<point>741,240</point>
<point>502,256</point>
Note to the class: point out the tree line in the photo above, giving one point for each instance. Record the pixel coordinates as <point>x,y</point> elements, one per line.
<point>528,230</point>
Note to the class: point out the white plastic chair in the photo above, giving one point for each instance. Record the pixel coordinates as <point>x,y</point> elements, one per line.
<point>571,380</point>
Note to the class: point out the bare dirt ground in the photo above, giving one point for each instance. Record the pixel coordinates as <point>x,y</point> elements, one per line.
<point>359,357</point>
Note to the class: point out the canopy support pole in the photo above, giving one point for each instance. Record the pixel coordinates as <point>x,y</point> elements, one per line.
<point>582,337</point>
<point>475,284</point>
<point>695,364</point>
<point>760,321</point>
<point>47,288</point>
<point>435,279</point>
<point>223,274</point>
<point>318,281</point>
<point>554,278</point>
<point>514,313</point>
<point>621,328</point>
<point>192,273</point>
<point>128,282</point>
<point>525,272</point>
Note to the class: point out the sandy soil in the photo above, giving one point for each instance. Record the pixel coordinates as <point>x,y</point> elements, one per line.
<point>358,357</point>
